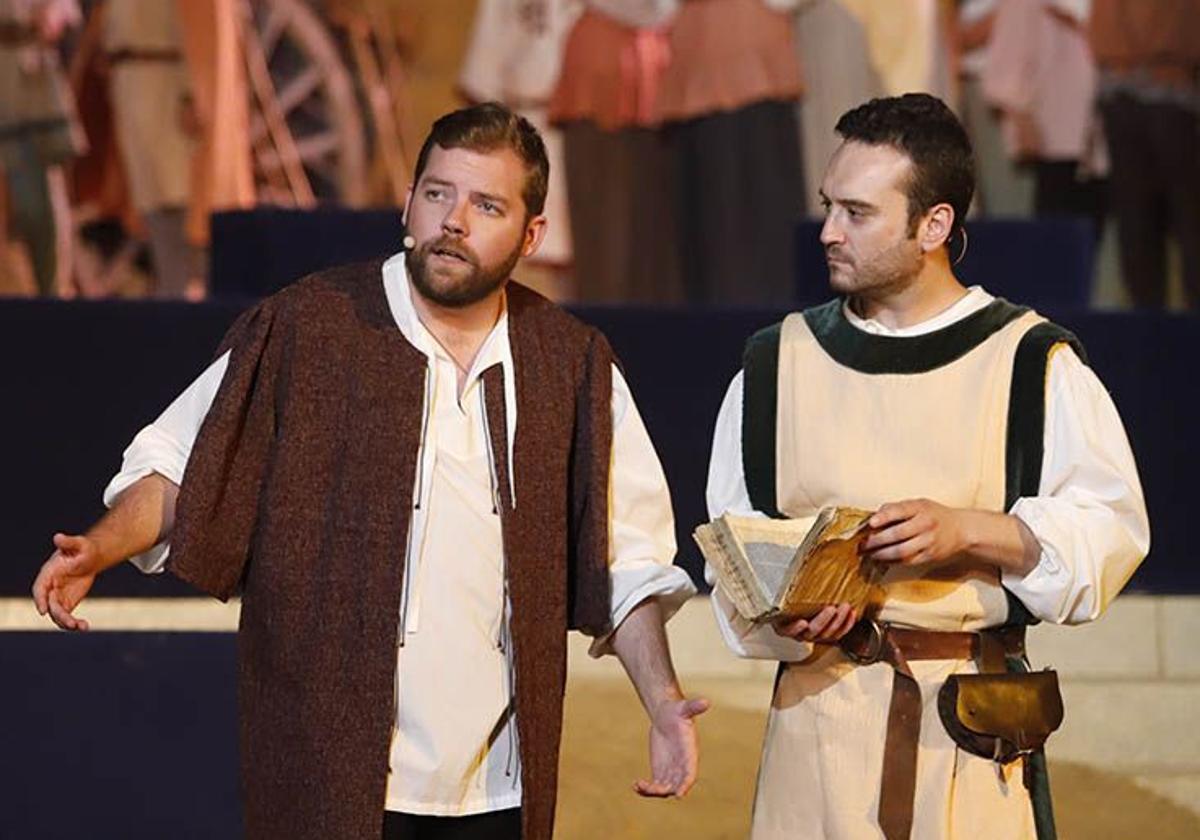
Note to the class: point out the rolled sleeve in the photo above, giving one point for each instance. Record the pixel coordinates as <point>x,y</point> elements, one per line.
<point>641,523</point>
<point>163,447</point>
<point>751,641</point>
<point>1089,515</point>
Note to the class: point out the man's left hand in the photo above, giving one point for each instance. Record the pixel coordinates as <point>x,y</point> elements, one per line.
<point>673,749</point>
<point>915,532</point>
<point>826,627</point>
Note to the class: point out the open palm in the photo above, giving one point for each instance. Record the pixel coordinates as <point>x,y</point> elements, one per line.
<point>65,579</point>
<point>673,748</point>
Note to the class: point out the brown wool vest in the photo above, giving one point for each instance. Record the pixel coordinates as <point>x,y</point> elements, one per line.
<point>298,492</point>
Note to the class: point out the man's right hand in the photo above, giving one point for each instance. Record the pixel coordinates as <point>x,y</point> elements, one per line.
<point>143,515</point>
<point>66,578</point>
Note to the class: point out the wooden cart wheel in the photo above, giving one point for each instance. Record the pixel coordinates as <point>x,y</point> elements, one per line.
<point>312,93</point>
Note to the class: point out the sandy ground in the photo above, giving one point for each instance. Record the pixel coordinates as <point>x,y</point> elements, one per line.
<point>604,749</point>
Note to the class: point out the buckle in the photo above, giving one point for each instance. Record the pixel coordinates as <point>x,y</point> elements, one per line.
<point>868,650</point>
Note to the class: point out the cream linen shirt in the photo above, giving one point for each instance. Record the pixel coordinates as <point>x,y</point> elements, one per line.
<point>454,749</point>
<point>1089,514</point>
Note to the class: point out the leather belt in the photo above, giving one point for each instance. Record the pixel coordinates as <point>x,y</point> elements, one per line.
<point>869,642</point>
<point>166,55</point>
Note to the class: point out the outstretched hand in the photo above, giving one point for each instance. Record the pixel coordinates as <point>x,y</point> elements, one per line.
<point>65,579</point>
<point>673,748</point>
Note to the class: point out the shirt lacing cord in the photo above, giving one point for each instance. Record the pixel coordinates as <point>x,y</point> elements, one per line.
<point>494,481</point>
<point>420,489</point>
<point>428,409</point>
<point>503,631</point>
<point>512,764</point>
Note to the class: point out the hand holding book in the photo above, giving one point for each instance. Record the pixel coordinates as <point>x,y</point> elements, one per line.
<point>782,570</point>
<point>826,627</point>
<point>916,532</point>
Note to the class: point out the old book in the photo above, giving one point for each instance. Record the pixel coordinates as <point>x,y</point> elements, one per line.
<point>784,569</point>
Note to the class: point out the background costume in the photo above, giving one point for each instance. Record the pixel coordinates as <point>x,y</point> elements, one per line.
<point>728,101</point>
<point>869,415</point>
<point>618,163</point>
<point>39,134</point>
<point>1149,59</point>
<point>1004,186</point>
<point>147,88</point>
<point>1038,67</point>
<point>514,56</point>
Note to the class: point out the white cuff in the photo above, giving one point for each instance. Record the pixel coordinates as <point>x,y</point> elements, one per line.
<point>631,586</point>
<point>751,641</point>
<point>1044,587</point>
<point>152,451</point>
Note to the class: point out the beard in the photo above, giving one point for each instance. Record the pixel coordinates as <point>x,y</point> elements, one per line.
<point>451,289</point>
<point>892,269</point>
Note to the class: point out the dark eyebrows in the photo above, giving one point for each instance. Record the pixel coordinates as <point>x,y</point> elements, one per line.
<point>433,180</point>
<point>494,199</point>
<point>853,204</point>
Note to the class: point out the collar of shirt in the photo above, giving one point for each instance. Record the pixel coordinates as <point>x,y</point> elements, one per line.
<point>495,348</point>
<point>974,300</point>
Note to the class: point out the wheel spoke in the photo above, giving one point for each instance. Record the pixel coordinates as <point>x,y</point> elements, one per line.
<point>305,117</point>
<point>310,148</point>
<point>318,145</point>
<point>258,127</point>
<point>272,28</point>
<point>323,167</point>
<point>299,87</point>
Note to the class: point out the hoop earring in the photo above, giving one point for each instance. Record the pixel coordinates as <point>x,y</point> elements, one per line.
<point>963,252</point>
<point>408,242</point>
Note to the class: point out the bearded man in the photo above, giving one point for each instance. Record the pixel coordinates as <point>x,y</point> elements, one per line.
<point>419,475</point>
<point>1003,487</point>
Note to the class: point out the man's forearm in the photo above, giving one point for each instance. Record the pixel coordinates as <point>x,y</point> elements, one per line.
<point>640,642</point>
<point>1000,539</point>
<point>142,516</point>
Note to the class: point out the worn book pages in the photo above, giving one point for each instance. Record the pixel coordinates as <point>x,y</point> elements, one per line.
<point>774,569</point>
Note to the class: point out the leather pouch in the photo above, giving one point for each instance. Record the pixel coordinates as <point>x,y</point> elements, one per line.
<point>1001,716</point>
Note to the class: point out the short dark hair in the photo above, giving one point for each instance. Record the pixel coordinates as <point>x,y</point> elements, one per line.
<point>487,128</point>
<point>922,127</point>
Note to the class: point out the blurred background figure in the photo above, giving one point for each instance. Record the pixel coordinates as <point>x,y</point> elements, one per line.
<point>166,149</point>
<point>683,151</point>
<point>620,177</point>
<point>39,135</point>
<point>833,47</point>
<point>1039,76</point>
<point>1149,59</point>
<point>1004,183</point>
<point>728,99</point>
<point>156,131</point>
<point>910,44</point>
<point>215,115</point>
<point>514,56</point>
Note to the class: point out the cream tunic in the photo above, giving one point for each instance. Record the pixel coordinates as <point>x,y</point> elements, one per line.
<point>820,774</point>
